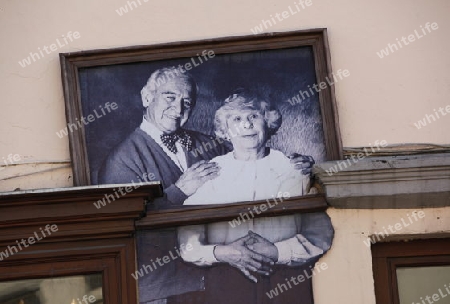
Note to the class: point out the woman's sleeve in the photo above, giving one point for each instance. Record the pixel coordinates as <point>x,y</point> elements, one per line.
<point>200,253</point>
<point>314,238</point>
<point>296,184</point>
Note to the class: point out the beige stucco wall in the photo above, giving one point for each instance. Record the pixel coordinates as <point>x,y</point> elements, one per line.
<point>349,277</point>
<point>381,100</point>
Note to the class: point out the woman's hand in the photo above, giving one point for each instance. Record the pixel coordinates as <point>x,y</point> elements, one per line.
<point>237,254</point>
<point>263,246</point>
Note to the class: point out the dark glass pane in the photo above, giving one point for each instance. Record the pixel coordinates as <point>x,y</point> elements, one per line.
<point>421,284</point>
<point>83,289</point>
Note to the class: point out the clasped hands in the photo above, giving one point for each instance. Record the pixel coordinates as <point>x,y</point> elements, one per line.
<point>250,254</point>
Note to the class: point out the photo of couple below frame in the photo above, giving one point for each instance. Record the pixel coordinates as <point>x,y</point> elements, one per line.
<point>248,149</point>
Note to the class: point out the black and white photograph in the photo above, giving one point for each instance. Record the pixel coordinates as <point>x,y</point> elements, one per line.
<point>259,260</point>
<point>233,128</point>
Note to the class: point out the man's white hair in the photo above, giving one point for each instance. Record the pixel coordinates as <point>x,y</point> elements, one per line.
<point>162,76</point>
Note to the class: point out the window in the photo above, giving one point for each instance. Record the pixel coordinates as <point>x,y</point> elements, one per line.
<point>412,272</point>
<point>73,289</point>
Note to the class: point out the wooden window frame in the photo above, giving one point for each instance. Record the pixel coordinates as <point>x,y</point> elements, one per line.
<point>88,239</point>
<point>113,259</point>
<point>387,257</point>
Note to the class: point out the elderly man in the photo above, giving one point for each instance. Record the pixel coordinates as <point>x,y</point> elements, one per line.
<point>162,149</point>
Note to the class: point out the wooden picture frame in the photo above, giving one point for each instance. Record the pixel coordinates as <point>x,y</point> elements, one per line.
<point>73,65</point>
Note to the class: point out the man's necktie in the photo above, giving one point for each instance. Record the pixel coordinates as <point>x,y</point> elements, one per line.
<point>181,136</point>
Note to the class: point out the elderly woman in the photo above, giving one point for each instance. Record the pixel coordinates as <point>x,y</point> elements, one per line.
<point>253,171</point>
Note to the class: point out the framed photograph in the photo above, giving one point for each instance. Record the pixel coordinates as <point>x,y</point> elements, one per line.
<point>169,113</point>
<point>231,128</point>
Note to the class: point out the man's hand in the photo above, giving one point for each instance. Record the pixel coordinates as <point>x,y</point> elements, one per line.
<point>302,162</point>
<point>238,255</point>
<point>262,246</point>
<point>196,176</point>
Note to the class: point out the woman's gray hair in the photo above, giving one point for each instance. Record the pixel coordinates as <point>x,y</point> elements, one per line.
<point>162,76</point>
<point>246,101</point>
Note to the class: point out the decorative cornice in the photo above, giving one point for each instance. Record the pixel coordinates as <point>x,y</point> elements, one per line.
<point>72,209</point>
<point>222,212</point>
<point>387,182</point>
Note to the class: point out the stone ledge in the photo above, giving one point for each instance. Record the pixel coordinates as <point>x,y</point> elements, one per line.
<point>387,182</point>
